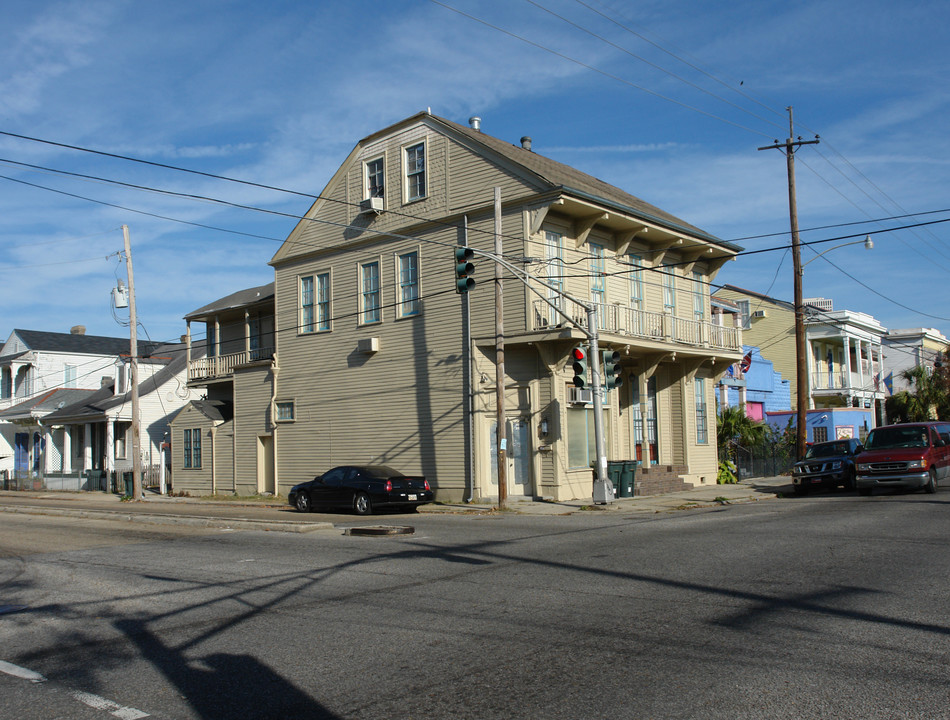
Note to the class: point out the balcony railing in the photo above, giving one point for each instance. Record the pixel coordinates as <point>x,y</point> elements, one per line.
<point>642,324</point>
<point>843,380</point>
<point>222,366</point>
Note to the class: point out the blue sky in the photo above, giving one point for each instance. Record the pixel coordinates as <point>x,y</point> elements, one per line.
<point>667,99</point>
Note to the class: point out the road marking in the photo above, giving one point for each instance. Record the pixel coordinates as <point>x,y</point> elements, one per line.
<point>23,673</point>
<point>114,709</point>
<point>93,701</point>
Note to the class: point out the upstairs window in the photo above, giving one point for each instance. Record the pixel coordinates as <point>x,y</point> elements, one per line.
<point>306,304</point>
<point>69,376</point>
<point>323,301</point>
<point>374,178</point>
<point>699,297</point>
<point>669,290</point>
<point>409,284</point>
<point>636,281</point>
<point>370,309</point>
<point>416,172</point>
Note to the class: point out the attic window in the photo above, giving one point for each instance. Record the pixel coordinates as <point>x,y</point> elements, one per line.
<point>416,172</point>
<point>374,178</point>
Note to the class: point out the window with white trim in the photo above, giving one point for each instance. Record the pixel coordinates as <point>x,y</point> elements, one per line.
<point>323,301</point>
<point>374,178</point>
<point>409,284</point>
<point>416,172</point>
<point>554,254</point>
<point>69,376</point>
<point>598,282</point>
<point>191,448</point>
<point>370,309</point>
<point>121,439</point>
<point>306,304</point>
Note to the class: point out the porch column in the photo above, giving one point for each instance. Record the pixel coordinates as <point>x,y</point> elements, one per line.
<point>644,426</point>
<point>187,344</point>
<point>859,358</point>
<point>110,445</point>
<point>247,336</point>
<point>47,447</point>
<point>87,447</point>
<point>67,449</point>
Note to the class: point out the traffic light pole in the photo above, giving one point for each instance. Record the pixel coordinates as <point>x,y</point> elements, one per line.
<point>603,490</point>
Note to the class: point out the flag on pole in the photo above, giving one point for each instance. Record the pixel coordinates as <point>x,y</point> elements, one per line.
<point>889,383</point>
<point>746,363</point>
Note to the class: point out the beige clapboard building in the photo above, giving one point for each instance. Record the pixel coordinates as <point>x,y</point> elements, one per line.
<point>377,358</point>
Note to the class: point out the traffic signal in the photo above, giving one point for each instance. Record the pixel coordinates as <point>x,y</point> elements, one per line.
<point>579,358</point>
<point>611,366</point>
<point>464,268</point>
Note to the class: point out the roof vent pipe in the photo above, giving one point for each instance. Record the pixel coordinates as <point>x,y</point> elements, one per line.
<point>476,123</point>
<point>526,143</point>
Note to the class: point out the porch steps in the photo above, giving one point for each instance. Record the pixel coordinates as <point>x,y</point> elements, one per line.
<point>660,480</point>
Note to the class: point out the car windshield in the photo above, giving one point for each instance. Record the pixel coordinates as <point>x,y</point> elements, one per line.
<point>887,438</point>
<point>827,450</point>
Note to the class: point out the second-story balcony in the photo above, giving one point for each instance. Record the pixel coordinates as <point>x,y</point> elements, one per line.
<point>837,382</point>
<point>221,367</point>
<point>654,326</point>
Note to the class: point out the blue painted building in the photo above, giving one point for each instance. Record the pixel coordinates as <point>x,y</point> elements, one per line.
<point>826,424</point>
<point>765,390</point>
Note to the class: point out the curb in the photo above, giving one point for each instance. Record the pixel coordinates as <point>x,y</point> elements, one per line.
<point>189,520</point>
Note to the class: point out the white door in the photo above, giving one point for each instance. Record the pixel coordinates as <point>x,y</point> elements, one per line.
<point>518,456</point>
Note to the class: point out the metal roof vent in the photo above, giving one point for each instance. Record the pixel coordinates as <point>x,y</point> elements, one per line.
<point>476,123</point>
<point>526,143</point>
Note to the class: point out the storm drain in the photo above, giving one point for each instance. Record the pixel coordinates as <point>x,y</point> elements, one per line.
<point>381,530</point>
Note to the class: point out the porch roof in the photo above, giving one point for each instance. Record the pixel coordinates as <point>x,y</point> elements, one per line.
<point>46,403</point>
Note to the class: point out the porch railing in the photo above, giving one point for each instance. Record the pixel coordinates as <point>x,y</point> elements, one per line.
<point>222,366</point>
<point>643,324</point>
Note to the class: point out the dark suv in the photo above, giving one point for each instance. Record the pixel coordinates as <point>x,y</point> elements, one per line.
<point>827,464</point>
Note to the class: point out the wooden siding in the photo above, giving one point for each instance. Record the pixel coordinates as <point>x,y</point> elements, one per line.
<point>253,388</point>
<point>194,481</point>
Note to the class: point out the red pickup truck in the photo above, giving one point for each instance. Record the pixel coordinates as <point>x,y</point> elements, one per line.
<point>912,456</point>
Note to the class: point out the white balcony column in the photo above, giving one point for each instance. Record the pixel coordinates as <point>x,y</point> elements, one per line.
<point>247,335</point>
<point>860,360</point>
<point>217,345</point>
<point>187,343</point>
<point>47,450</point>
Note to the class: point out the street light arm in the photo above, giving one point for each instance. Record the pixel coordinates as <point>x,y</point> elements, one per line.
<point>868,245</point>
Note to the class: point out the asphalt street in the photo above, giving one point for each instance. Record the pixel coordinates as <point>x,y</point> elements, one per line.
<point>829,606</point>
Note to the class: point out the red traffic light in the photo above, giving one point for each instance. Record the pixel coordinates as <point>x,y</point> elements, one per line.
<point>578,353</point>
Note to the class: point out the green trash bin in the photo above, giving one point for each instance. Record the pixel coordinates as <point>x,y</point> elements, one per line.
<point>628,474</point>
<point>615,473</point>
<point>127,479</point>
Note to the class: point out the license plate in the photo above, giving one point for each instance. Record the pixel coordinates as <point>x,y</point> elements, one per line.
<point>413,497</point>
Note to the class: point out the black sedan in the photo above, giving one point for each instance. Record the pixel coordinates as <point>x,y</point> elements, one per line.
<point>826,464</point>
<point>361,488</point>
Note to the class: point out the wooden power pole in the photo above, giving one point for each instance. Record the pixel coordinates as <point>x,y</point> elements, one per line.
<point>134,374</point>
<point>501,437</point>
<point>801,398</point>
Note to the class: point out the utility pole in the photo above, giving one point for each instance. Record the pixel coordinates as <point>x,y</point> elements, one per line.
<point>134,374</point>
<point>789,147</point>
<point>501,438</point>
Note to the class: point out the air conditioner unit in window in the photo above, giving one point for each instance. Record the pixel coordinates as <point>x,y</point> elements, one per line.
<point>373,204</point>
<point>760,314</point>
<point>579,396</point>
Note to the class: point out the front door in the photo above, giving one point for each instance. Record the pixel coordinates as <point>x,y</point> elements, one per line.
<point>21,455</point>
<point>518,456</point>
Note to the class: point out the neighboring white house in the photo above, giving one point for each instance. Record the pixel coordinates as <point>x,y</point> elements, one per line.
<point>91,437</point>
<point>33,363</point>
<point>910,348</point>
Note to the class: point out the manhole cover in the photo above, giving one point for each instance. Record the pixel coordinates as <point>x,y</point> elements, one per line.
<point>381,530</point>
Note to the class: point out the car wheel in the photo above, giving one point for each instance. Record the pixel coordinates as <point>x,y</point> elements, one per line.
<point>931,486</point>
<point>851,483</point>
<point>801,490</point>
<point>362,504</point>
<point>302,502</point>
<point>864,491</point>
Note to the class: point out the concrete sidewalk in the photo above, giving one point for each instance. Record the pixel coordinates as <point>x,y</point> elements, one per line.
<point>278,516</point>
